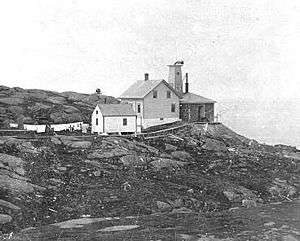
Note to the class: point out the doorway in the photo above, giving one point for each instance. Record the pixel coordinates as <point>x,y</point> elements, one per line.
<point>199,113</point>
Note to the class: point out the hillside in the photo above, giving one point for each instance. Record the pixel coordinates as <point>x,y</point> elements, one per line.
<point>33,105</point>
<point>180,179</point>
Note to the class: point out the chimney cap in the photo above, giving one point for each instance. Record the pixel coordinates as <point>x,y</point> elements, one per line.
<point>177,63</point>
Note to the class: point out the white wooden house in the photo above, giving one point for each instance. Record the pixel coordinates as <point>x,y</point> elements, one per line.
<point>155,102</point>
<point>114,118</point>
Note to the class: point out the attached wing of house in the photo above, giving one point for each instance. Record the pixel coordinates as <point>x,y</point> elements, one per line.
<point>114,118</point>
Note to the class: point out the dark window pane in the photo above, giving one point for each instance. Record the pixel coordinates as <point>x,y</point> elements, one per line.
<point>124,122</point>
<point>168,94</point>
<point>154,93</point>
<point>173,107</point>
<point>139,108</point>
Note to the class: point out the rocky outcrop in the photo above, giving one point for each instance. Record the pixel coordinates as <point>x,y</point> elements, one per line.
<point>12,175</point>
<point>53,179</point>
<point>30,106</point>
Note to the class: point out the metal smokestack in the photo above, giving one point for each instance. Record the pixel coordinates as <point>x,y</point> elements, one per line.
<point>186,83</point>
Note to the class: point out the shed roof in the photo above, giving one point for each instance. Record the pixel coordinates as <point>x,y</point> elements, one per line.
<point>116,109</point>
<point>141,88</point>
<point>190,98</point>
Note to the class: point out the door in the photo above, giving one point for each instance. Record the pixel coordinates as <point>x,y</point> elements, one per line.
<point>199,113</point>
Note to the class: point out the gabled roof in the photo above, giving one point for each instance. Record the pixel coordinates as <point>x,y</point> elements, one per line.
<point>116,109</point>
<point>141,88</point>
<point>190,98</point>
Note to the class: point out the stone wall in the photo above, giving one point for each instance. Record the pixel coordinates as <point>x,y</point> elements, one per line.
<point>197,112</point>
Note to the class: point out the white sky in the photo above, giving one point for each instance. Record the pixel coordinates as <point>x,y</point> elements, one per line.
<point>231,49</point>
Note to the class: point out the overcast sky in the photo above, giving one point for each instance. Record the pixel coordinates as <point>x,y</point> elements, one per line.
<point>231,49</point>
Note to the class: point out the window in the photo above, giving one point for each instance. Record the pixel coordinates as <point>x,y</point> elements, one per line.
<point>161,118</point>
<point>168,94</point>
<point>139,108</point>
<point>96,112</point>
<point>155,94</point>
<point>124,121</point>
<point>173,107</point>
<point>96,121</point>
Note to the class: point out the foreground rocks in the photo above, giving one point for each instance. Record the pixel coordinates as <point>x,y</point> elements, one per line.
<point>51,180</point>
<point>267,223</point>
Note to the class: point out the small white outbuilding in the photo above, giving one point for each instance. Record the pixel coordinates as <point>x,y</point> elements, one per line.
<point>114,118</point>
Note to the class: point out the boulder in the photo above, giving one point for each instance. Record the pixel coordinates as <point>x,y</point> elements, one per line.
<point>236,194</point>
<point>55,140</point>
<point>232,196</point>
<point>57,99</point>
<point>70,109</point>
<point>61,168</point>
<point>12,163</point>
<point>182,156</point>
<point>282,188</point>
<point>249,203</point>
<point>164,155</point>
<point>214,145</point>
<point>27,147</point>
<point>163,207</point>
<point>79,144</point>
<point>17,185</point>
<point>166,163</point>
<point>9,205</point>
<point>4,218</point>
<point>100,154</point>
<point>169,147</point>
<point>269,224</point>
<point>191,143</point>
<point>10,141</point>
<point>40,106</point>
<point>132,160</point>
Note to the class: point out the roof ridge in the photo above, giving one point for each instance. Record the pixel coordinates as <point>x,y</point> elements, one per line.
<point>141,88</point>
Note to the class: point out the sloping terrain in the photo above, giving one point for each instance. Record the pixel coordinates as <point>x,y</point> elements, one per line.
<point>196,171</point>
<point>31,105</point>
